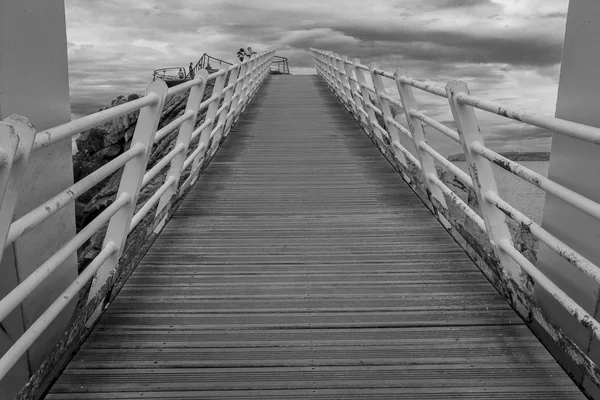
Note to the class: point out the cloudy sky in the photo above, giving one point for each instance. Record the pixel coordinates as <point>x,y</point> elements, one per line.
<point>507,50</point>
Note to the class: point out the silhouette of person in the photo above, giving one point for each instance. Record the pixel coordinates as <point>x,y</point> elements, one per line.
<point>191,71</point>
<point>241,53</point>
<point>249,52</point>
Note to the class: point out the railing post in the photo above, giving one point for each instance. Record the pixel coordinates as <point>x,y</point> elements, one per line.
<point>371,120</point>
<point>333,77</point>
<point>418,136</point>
<point>354,88</point>
<point>246,85</point>
<point>223,117</point>
<point>16,139</point>
<point>346,84</point>
<point>482,175</point>
<point>341,92</point>
<point>205,135</point>
<point>387,113</point>
<point>131,181</point>
<point>235,106</point>
<point>183,139</point>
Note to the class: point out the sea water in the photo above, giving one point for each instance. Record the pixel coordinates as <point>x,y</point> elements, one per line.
<point>519,193</point>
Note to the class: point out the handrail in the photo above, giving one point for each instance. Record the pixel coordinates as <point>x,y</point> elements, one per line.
<point>347,80</point>
<point>249,75</point>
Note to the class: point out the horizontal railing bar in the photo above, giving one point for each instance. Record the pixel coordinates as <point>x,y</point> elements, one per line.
<point>572,129</point>
<point>382,130</point>
<point>406,153</point>
<point>184,86</point>
<point>159,166</point>
<point>199,129</point>
<point>582,316</point>
<point>566,252</point>
<point>137,218</point>
<point>221,109</point>
<point>50,207</point>
<point>191,157</point>
<point>10,358</point>
<point>392,100</point>
<point>399,126</point>
<point>569,196</point>
<point>374,108</point>
<point>64,131</point>
<point>427,87</point>
<point>469,212</point>
<point>369,88</point>
<point>383,73</point>
<point>215,129</point>
<point>27,286</point>
<point>452,134</point>
<point>217,74</point>
<point>165,130</point>
<point>207,102</point>
<point>460,174</point>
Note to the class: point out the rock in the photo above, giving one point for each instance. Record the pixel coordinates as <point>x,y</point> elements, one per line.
<point>102,144</point>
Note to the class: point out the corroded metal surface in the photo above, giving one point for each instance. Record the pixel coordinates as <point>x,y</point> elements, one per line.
<point>302,266</point>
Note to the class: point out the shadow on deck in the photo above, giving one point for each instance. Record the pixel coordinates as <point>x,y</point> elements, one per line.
<point>301,265</point>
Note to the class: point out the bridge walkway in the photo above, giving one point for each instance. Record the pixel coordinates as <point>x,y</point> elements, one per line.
<point>301,266</point>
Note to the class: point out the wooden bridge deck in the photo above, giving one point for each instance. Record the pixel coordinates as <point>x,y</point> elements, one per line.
<point>301,266</point>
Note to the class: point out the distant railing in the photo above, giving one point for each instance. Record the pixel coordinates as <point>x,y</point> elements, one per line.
<point>348,80</point>
<point>280,66</point>
<point>18,140</point>
<point>177,75</point>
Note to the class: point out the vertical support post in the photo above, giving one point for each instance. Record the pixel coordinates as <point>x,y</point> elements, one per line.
<point>371,119</point>
<point>131,181</point>
<point>235,107</point>
<point>419,137</point>
<point>235,93</point>
<point>354,89</point>
<point>183,139</point>
<point>482,175</point>
<point>211,112</point>
<point>332,73</point>
<point>340,92</point>
<point>223,117</point>
<point>387,112</point>
<point>346,84</point>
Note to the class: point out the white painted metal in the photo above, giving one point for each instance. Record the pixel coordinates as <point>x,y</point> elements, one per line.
<point>418,135</point>
<point>131,182</point>
<point>36,216</point>
<point>210,115</point>
<point>183,140</point>
<point>482,176</point>
<point>10,358</point>
<point>360,76</point>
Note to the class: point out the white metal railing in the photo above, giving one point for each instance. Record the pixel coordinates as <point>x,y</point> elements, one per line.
<point>347,80</point>
<point>18,139</point>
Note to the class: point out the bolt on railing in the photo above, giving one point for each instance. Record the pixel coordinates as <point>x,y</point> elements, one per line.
<point>18,139</point>
<point>347,81</point>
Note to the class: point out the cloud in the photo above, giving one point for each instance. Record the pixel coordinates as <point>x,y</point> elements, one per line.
<point>506,50</point>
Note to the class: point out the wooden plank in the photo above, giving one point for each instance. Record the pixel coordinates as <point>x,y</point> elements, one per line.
<point>301,266</point>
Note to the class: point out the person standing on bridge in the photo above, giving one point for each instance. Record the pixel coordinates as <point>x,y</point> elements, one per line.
<point>240,54</point>
<point>191,71</point>
<point>249,52</point>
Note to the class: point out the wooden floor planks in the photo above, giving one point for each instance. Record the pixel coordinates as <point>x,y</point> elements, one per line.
<point>301,266</point>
